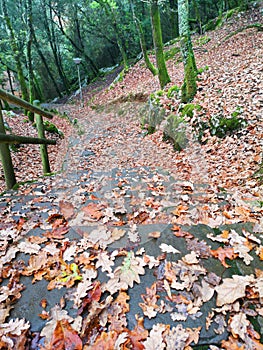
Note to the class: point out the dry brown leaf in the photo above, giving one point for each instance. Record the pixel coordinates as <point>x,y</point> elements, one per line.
<point>130,270</point>
<point>223,253</point>
<point>154,234</point>
<point>67,209</point>
<point>232,289</point>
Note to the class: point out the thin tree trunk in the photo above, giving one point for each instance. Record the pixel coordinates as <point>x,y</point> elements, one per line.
<point>147,61</point>
<point>41,55</point>
<point>10,81</point>
<point>53,44</point>
<point>16,52</point>
<point>163,76</point>
<point>189,86</point>
<point>112,16</point>
<point>79,50</point>
<point>29,57</point>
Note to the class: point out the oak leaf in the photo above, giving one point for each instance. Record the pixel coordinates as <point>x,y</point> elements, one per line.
<point>138,334</point>
<point>155,339</point>
<point>130,270</point>
<point>232,289</point>
<point>104,261</point>
<point>232,344</point>
<point>238,325</point>
<point>94,211</point>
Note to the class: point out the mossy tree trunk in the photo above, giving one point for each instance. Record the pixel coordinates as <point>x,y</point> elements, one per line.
<point>16,52</point>
<point>189,86</point>
<point>29,57</point>
<point>158,44</point>
<point>147,61</point>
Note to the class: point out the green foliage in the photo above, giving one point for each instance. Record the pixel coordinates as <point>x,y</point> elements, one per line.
<point>188,109</point>
<point>216,23</point>
<point>202,69</point>
<point>221,126</point>
<point>175,132</point>
<point>173,91</point>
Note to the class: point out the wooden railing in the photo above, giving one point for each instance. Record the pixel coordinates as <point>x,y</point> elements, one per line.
<point>5,139</point>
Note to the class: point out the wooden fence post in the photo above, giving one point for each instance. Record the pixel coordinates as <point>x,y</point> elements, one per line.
<point>43,148</point>
<point>6,159</point>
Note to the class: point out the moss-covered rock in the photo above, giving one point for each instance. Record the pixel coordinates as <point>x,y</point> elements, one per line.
<point>175,132</point>
<point>151,116</point>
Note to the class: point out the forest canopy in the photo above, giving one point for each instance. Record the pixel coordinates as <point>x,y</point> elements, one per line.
<point>39,39</point>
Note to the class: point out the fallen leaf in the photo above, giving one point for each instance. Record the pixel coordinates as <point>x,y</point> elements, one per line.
<point>168,249</point>
<point>154,234</point>
<point>65,337</point>
<point>232,289</point>
<point>155,339</point>
<point>130,270</point>
<point>223,253</point>
<point>94,211</point>
<point>238,325</point>
<point>67,209</point>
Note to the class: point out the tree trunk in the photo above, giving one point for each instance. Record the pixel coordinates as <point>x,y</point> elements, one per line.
<point>79,50</point>
<point>6,159</point>
<point>29,57</point>
<point>53,44</point>
<point>16,52</point>
<point>147,61</point>
<point>158,44</point>
<point>189,86</point>
<point>41,55</point>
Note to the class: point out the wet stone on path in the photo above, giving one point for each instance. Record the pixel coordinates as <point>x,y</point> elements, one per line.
<point>131,216</point>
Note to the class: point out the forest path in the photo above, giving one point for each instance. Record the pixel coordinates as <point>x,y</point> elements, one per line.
<point>129,229</point>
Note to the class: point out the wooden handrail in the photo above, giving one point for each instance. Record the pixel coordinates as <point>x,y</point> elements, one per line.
<point>5,139</point>
<point>4,95</point>
<point>13,139</point>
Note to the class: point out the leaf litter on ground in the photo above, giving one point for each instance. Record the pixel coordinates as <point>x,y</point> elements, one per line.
<point>96,207</point>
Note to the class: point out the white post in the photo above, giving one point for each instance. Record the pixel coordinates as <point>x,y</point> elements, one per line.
<point>77,62</point>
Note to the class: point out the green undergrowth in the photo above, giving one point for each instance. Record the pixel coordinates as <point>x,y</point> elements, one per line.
<point>176,123</point>
<point>221,126</point>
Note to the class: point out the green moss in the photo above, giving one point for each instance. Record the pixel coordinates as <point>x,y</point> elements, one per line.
<point>189,86</point>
